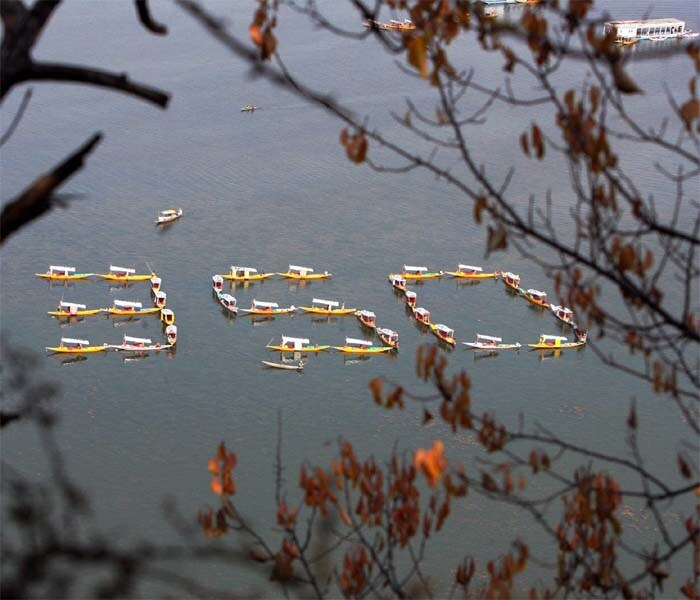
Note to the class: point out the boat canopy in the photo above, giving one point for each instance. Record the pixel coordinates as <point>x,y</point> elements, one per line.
<point>160,295</point>
<point>470,268</point>
<point>125,304</point>
<point>566,311</point>
<point>235,269</point>
<point>300,270</point>
<point>74,342</point>
<point>171,330</point>
<point>258,303</point>
<point>168,212</point>
<point>158,280</point>
<point>298,343</point>
<point>166,312</point>
<point>328,303</point>
<point>422,311</point>
<point>136,340</point>
<point>390,333</point>
<point>126,270</point>
<point>445,329</point>
<point>53,268</point>
<point>397,279</point>
<point>552,337</point>
<point>228,299</point>
<point>356,342</point>
<point>487,338</point>
<point>410,269</point>
<point>73,305</point>
<point>366,313</point>
<point>537,293</point>
<point>509,275</point>
<point>410,294</point>
<point>217,279</point>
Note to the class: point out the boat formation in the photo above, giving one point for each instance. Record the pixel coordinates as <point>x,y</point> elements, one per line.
<point>237,273</point>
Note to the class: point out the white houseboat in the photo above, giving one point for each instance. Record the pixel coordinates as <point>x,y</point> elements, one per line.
<point>628,32</point>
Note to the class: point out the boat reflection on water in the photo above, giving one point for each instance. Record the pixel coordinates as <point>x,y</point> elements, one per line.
<point>326,319</point>
<point>72,360</point>
<point>258,320</point>
<point>134,357</point>
<point>119,321</point>
<point>481,355</point>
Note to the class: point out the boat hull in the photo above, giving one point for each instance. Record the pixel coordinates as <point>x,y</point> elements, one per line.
<point>324,311</point>
<point>86,350</point>
<point>268,313</point>
<point>65,277</point>
<point>534,302</point>
<point>273,365</point>
<point>353,350</point>
<point>129,348</point>
<point>478,346</point>
<point>421,276</point>
<point>257,277</point>
<point>303,349</point>
<point>309,277</point>
<point>132,313</point>
<point>460,275</point>
<point>561,347</point>
<point>80,313</point>
<point>110,277</point>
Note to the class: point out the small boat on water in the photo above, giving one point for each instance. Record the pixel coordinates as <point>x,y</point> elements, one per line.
<point>327,307</point>
<point>267,308</point>
<point>488,342</point>
<point>581,335</point>
<point>168,216</point>
<point>245,274</point>
<point>537,298</point>
<point>294,344</point>
<point>306,273</point>
<point>367,318</point>
<point>374,24</point>
<point>59,273</point>
<point>294,367</point>
<point>171,334</point>
<point>511,280</point>
<point>422,315</point>
<point>228,302</point>
<point>124,274</point>
<point>217,283</point>
<point>444,333</point>
<point>137,344</point>
<point>71,309</point>
<point>249,108</point>
<point>388,336</point>
<point>566,315</point>
<point>160,299</point>
<point>471,272</point>
<point>398,282</point>
<point>405,25</point>
<point>555,342</point>
<point>155,284</point>
<point>410,272</point>
<point>125,308</point>
<point>167,316</point>
<point>411,298</point>
<point>73,346</point>
<point>355,346</point>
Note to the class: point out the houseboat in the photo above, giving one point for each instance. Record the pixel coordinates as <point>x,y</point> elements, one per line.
<point>629,32</point>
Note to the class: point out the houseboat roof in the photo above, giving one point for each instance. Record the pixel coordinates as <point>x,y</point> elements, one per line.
<point>647,22</point>
<point>72,305</point>
<point>126,304</point>
<point>244,269</point>
<point>328,303</point>
<point>488,338</point>
<point>257,303</point>
<point>293,268</point>
<point>410,269</point>
<point>136,340</point>
<point>65,269</point>
<point>356,342</point>
<point>74,342</point>
<point>552,337</point>
<point>470,268</point>
<point>114,269</point>
<point>294,340</point>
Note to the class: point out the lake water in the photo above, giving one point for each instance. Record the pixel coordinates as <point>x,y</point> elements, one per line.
<point>266,190</point>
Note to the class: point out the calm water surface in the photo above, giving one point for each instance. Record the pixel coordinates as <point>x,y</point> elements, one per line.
<point>268,189</point>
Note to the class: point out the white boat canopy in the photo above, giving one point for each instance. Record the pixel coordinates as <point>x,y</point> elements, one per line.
<point>366,313</point>
<point>410,294</point>
<point>74,342</point>
<point>166,312</point>
<point>537,293</point>
<point>422,311</point>
<point>125,304</point>
<point>168,212</point>
<point>126,270</point>
<point>445,329</point>
<point>356,342</point>
<point>552,337</point>
<point>171,330</point>
<point>228,299</point>
<point>217,279</point>
<point>73,305</point>
<point>259,304</point>
<point>157,280</point>
<point>53,268</point>
<point>509,275</point>
<point>136,340</point>
<point>397,279</point>
<point>390,333</point>
<point>297,342</point>
<point>488,338</point>
<point>563,309</point>
<point>470,268</point>
<point>235,269</point>
<point>160,295</point>
<point>328,303</point>
<point>410,269</point>
<point>300,270</point>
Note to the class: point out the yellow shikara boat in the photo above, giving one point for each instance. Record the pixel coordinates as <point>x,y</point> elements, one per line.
<point>555,342</point>
<point>410,272</point>
<point>73,346</point>
<point>292,344</point>
<point>267,309</point>
<point>444,333</point>
<point>58,273</point>
<point>124,274</point>
<point>130,309</point>
<point>70,309</point>
<point>470,272</point>
<point>354,346</point>
<point>245,274</point>
<point>537,298</point>
<point>306,273</point>
<point>327,307</point>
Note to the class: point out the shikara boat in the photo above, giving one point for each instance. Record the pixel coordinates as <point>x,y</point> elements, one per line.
<point>422,315</point>
<point>217,283</point>
<point>355,346</point>
<point>228,302</point>
<point>168,216</point>
<point>267,309</point>
<point>327,307</point>
<point>537,298</point>
<point>511,280</point>
<point>245,274</point>
<point>71,309</point>
<point>554,342</point>
<point>73,346</point>
<point>137,344</point>
<point>367,318</point>
<point>411,298</point>
<point>130,309</point>
<point>444,333</point>
<point>398,282</point>
<point>171,334</point>
<point>249,108</point>
<point>405,25</point>
<point>410,272</point>
<point>124,274</point>
<point>155,284</point>
<point>160,299</point>
<point>581,335</point>
<point>58,273</point>
<point>167,316</point>
<point>388,336</point>
<point>470,272</point>
<point>273,365</point>
<point>566,315</point>
<point>488,342</point>
<point>293,344</point>
<point>305,273</point>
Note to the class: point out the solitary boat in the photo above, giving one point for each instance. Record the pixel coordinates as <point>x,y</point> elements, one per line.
<point>537,298</point>
<point>293,344</point>
<point>367,318</point>
<point>63,273</point>
<point>249,108</point>
<point>511,280</point>
<point>388,336</point>
<point>355,346</point>
<point>327,307</point>
<point>296,272</point>
<point>273,365</point>
<point>488,342</point>
<point>245,274</point>
<point>554,342</point>
<point>167,216</point>
<point>405,25</point>
<point>71,309</point>
<point>562,313</point>
<point>73,346</point>
<point>422,315</point>
<point>398,282</point>
<point>124,308</point>
<point>124,274</point>
<point>444,333</point>
<point>228,302</point>
<point>267,308</point>
<point>470,272</point>
<point>411,298</point>
<point>410,272</point>
<point>171,334</point>
<point>137,344</point>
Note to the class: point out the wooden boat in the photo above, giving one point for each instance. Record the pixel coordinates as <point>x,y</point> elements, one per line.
<point>411,298</point>
<point>566,315</point>
<point>410,272</point>
<point>73,346</point>
<point>327,307</point>
<point>355,346</point>
<point>306,273</point>
<point>228,302</point>
<point>249,108</point>
<point>511,280</point>
<point>367,318</point>
<point>167,316</point>
<point>267,309</point>
<point>245,274</point>
<point>168,216</point>
<point>124,274</point>
<point>537,298</point>
<point>71,309</point>
<point>58,273</point>
<point>398,282</point>
<point>470,272</point>
<point>171,334</point>
<point>124,308</point>
<point>488,342</point>
<point>581,335</point>
<point>217,283</point>
<point>405,25</point>
<point>155,284</point>
<point>422,315</point>
<point>388,336</point>
<point>293,344</point>
<point>554,342</point>
<point>273,365</point>
<point>137,344</point>
<point>444,333</point>
<point>160,299</point>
